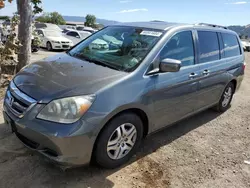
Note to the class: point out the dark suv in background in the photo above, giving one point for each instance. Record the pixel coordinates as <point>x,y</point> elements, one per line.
<point>101,98</point>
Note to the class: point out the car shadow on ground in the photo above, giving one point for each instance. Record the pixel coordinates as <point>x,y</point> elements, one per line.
<point>93,176</point>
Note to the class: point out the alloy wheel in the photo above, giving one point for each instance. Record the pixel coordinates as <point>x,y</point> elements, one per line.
<point>227,96</point>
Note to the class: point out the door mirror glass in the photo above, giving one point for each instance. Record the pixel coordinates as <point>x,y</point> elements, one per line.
<point>170,65</point>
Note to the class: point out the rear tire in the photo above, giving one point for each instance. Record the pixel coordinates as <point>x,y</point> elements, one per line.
<point>125,145</point>
<point>226,98</point>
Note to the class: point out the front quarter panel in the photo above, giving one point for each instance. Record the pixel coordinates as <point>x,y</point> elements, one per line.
<point>129,93</point>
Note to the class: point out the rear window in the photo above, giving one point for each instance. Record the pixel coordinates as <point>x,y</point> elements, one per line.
<point>209,46</point>
<point>231,45</point>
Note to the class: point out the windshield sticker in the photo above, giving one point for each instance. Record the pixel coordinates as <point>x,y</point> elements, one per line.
<point>151,33</point>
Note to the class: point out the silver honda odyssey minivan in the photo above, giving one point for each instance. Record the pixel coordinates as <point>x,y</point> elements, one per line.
<point>99,100</point>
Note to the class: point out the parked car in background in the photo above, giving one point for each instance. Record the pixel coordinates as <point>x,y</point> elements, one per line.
<point>53,40</point>
<point>48,26</point>
<point>246,45</point>
<point>4,34</point>
<point>76,36</point>
<point>67,27</point>
<point>83,28</point>
<point>67,30</point>
<point>98,104</point>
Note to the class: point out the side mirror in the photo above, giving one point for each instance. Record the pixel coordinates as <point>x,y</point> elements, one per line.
<point>170,65</point>
<point>41,35</point>
<point>77,36</point>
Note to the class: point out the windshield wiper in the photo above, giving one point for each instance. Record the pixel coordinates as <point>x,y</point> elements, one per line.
<point>98,62</point>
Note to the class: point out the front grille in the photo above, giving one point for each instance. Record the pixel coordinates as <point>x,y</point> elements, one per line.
<point>64,42</point>
<point>65,46</point>
<point>17,102</point>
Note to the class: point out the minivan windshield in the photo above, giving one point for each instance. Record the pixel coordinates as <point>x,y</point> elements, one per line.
<point>119,47</point>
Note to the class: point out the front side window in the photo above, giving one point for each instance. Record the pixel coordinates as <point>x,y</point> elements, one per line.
<point>119,47</point>
<point>231,45</point>
<point>180,47</point>
<point>39,32</point>
<point>209,46</point>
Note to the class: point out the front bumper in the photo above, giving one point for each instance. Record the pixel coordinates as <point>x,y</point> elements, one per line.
<point>61,46</point>
<point>67,145</point>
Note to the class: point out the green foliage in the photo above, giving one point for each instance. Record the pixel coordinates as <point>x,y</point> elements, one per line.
<point>4,17</point>
<point>37,41</point>
<point>53,17</point>
<point>10,48</point>
<point>90,20</point>
<point>36,8</point>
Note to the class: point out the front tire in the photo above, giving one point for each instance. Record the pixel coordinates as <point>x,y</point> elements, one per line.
<point>119,140</point>
<point>226,98</point>
<point>49,46</point>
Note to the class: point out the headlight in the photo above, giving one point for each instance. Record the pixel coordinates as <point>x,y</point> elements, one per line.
<point>66,110</point>
<point>58,42</point>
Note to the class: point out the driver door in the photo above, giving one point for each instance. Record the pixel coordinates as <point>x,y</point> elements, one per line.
<point>176,92</point>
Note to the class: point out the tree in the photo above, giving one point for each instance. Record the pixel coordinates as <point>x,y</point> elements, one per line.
<point>24,32</point>
<point>57,18</point>
<point>53,17</point>
<point>25,13</point>
<point>25,29</point>
<point>90,20</point>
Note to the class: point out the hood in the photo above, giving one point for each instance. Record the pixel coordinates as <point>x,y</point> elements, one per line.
<point>61,38</point>
<point>63,76</point>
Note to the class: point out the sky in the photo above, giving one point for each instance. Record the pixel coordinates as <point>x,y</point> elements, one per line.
<point>223,12</point>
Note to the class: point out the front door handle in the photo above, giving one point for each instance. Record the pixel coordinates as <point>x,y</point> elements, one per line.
<point>193,75</point>
<point>205,72</point>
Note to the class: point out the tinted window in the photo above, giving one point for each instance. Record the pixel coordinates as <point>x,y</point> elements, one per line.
<point>209,46</point>
<point>40,25</point>
<point>180,47</point>
<point>231,45</point>
<point>39,32</point>
<point>73,34</point>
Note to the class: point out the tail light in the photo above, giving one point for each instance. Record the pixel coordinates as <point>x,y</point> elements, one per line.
<point>244,66</point>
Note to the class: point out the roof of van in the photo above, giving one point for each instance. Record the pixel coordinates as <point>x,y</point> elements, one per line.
<point>153,25</point>
<point>161,25</point>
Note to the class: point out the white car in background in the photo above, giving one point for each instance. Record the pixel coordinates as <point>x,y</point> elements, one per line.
<point>246,45</point>
<point>76,36</point>
<point>48,26</point>
<point>88,29</point>
<point>53,40</point>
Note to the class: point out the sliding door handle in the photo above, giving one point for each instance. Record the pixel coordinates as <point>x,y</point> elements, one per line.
<point>193,75</point>
<point>205,72</point>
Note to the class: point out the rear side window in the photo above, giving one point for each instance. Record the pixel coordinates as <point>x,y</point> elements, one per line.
<point>231,45</point>
<point>209,46</point>
<point>180,47</point>
<point>73,34</point>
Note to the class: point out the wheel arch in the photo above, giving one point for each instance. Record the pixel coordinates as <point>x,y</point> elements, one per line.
<point>138,111</point>
<point>234,81</point>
